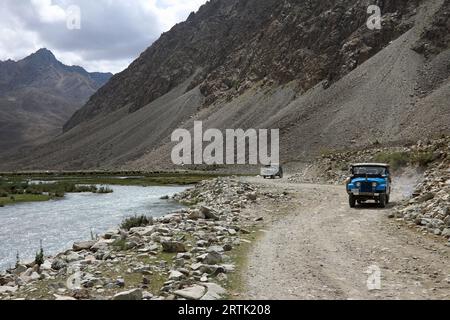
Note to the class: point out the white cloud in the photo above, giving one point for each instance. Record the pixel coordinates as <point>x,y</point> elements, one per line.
<point>113,32</point>
<point>49,13</point>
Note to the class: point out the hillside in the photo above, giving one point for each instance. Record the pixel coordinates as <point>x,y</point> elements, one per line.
<point>312,69</point>
<point>38,95</point>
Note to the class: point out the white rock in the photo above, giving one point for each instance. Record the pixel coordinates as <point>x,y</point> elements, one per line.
<point>215,292</point>
<point>135,294</point>
<point>195,292</point>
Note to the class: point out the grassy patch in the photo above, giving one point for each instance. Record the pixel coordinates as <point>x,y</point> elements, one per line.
<point>135,222</point>
<point>19,198</point>
<point>399,160</point>
<point>235,284</point>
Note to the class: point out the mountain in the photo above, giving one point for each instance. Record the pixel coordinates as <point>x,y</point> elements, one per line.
<point>311,68</point>
<point>38,95</point>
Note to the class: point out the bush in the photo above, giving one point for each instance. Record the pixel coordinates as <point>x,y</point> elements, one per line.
<point>396,160</point>
<point>134,222</point>
<point>39,259</point>
<point>104,190</point>
<point>423,159</point>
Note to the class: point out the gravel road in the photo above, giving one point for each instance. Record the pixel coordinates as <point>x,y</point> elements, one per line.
<point>316,247</point>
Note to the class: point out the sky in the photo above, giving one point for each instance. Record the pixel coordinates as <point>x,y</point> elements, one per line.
<point>99,35</point>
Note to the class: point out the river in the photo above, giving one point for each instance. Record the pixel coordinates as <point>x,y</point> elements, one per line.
<point>59,223</point>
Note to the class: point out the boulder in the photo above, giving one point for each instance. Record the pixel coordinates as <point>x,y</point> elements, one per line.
<point>83,245</point>
<point>446,233</point>
<point>209,213</point>
<point>173,246</point>
<point>196,292</point>
<point>176,275</point>
<point>214,292</point>
<point>135,294</point>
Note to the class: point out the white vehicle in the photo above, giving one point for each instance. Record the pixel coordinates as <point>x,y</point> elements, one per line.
<point>272,171</point>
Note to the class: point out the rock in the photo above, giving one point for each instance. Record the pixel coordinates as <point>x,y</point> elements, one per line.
<point>63,298</point>
<point>83,245</point>
<point>196,292</point>
<point>214,292</point>
<point>164,198</point>
<point>6,278</point>
<point>212,258</point>
<point>143,231</point>
<point>173,246</point>
<point>58,264</point>
<point>7,289</point>
<point>195,215</point>
<point>102,244</point>
<point>176,275</point>
<point>135,294</point>
<point>209,213</point>
<point>72,257</point>
<point>426,197</point>
<point>47,265</point>
<point>120,283</point>
<point>252,196</point>
<point>20,269</point>
<point>446,233</point>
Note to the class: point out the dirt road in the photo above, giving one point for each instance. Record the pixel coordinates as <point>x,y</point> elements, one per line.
<point>316,247</point>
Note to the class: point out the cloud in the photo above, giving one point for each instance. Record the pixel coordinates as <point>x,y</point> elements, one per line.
<point>112,33</point>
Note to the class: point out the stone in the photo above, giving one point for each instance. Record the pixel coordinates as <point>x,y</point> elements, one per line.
<point>20,268</point>
<point>426,197</point>
<point>209,213</point>
<point>135,294</point>
<point>63,298</point>
<point>120,283</point>
<point>72,257</point>
<point>7,289</point>
<point>196,292</point>
<point>214,292</point>
<point>176,275</point>
<point>173,246</point>
<point>446,233</point>
<point>212,258</point>
<point>58,264</point>
<point>83,245</point>
<point>102,244</point>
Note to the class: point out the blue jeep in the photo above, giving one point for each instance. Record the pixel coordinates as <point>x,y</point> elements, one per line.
<point>369,181</point>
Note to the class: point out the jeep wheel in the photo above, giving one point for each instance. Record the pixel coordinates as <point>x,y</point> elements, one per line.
<point>383,201</point>
<point>388,199</point>
<point>352,201</point>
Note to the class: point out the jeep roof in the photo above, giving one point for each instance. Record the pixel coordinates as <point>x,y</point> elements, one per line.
<point>385,165</point>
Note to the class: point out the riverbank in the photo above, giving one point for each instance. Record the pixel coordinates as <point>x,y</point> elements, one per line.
<point>191,253</point>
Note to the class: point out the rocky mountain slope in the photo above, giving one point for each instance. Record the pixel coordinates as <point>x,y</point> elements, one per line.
<point>38,95</point>
<point>311,68</point>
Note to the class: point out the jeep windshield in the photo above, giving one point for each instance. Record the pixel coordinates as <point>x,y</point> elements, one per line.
<point>369,171</point>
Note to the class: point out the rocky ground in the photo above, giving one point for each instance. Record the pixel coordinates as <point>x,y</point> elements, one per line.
<point>429,208</point>
<point>190,254</point>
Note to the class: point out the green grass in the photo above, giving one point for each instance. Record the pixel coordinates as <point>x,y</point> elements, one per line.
<point>399,160</point>
<point>19,198</point>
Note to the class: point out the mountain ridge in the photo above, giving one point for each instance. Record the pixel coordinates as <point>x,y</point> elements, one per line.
<point>312,69</point>
<point>38,94</point>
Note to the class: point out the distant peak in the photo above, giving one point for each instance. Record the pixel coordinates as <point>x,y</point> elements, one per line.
<point>43,55</point>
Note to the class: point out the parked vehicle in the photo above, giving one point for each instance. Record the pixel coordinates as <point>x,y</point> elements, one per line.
<point>369,181</point>
<point>272,171</point>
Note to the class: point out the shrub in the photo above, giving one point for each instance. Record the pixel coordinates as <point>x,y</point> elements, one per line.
<point>423,159</point>
<point>39,259</point>
<point>134,222</point>
<point>396,160</point>
<point>104,190</point>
